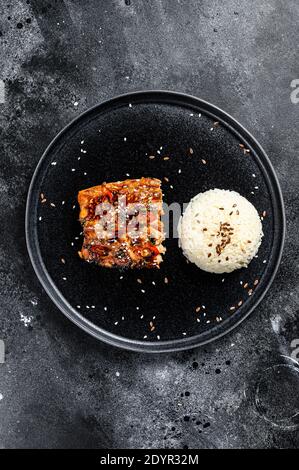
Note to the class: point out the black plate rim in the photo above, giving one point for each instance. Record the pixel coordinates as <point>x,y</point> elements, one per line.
<point>170,345</point>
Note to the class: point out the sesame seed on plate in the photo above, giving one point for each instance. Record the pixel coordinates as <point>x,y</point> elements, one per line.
<point>54,163</point>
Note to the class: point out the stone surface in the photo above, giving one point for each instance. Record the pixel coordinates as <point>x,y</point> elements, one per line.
<point>61,388</point>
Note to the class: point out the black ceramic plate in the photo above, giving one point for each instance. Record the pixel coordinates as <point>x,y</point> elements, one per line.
<point>111,142</point>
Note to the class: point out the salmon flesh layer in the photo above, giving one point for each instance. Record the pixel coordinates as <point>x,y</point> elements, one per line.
<point>122,224</point>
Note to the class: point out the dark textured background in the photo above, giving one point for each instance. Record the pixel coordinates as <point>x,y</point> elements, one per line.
<point>60,388</point>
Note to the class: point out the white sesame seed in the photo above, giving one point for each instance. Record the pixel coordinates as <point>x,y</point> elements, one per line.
<point>125,139</point>
<point>40,218</point>
<point>137,308</point>
<point>158,337</point>
<point>76,102</point>
<point>85,173</point>
<point>130,105</point>
<point>78,306</point>
<point>93,306</point>
<point>179,171</point>
<point>54,163</point>
<point>117,374</point>
<point>105,308</point>
<point>116,323</point>
<point>82,142</point>
<point>87,306</point>
<point>145,337</point>
<point>73,169</point>
<point>143,291</point>
<point>141,317</point>
<point>253,175</point>
<point>62,203</point>
<point>184,334</point>
<point>199,115</point>
<point>153,282</point>
<point>127,174</point>
<point>121,277</point>
<point>64,278</point>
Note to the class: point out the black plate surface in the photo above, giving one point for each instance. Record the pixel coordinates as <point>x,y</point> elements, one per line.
<point>111,142</point>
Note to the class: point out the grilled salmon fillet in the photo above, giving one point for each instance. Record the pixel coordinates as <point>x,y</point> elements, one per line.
<point>122,224</point>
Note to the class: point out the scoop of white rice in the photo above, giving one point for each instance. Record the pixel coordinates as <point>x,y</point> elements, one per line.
<point>220,231</point>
